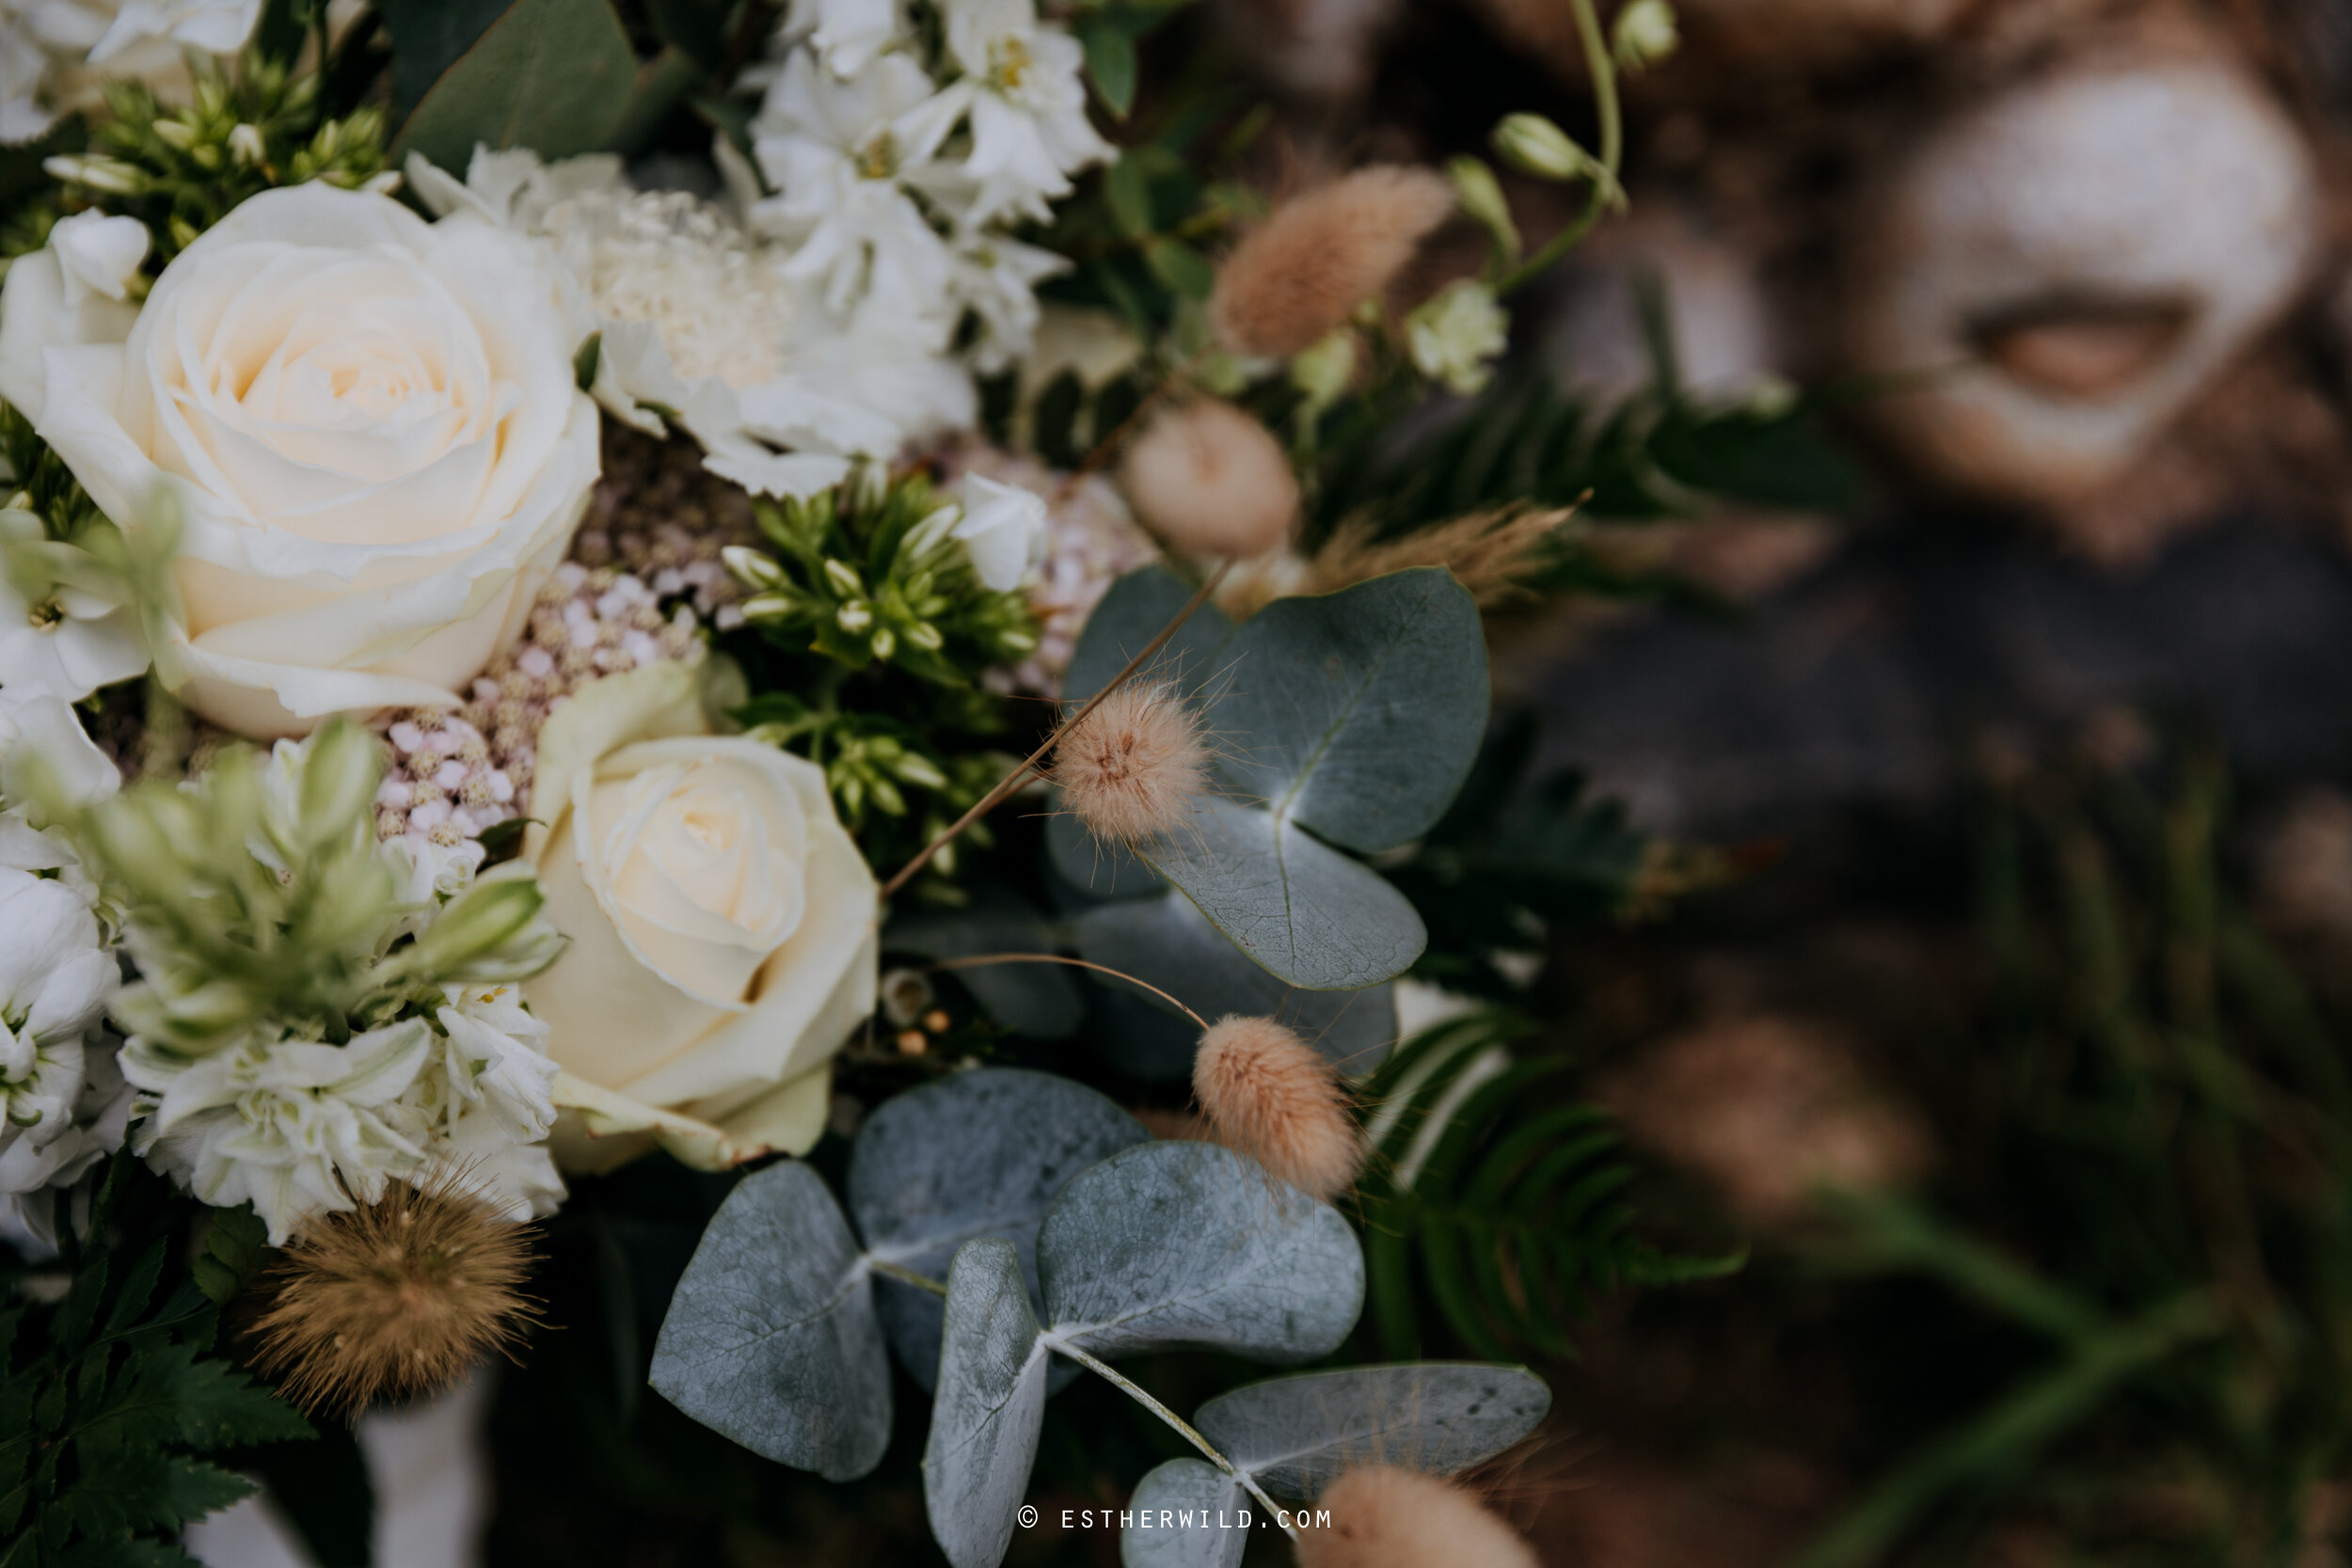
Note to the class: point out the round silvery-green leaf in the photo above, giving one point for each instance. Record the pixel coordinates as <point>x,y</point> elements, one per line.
<point>1186,1514</point>
<point>1134,610</point>
<point>1294,904</point>
<point>988,1408</point>
<point>771,1339</point>
<point>1189,1244</point>
<point>1357,714</point>
<point>1168,942</point>
<point>1295,1435</point>
<point>1090,869</point>
<point>1034,999</point>
<point>980,1153</point>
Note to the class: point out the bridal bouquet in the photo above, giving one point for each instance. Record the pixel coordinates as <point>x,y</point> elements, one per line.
<point>827,594</point>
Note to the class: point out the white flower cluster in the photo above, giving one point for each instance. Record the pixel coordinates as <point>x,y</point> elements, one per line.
<point>48,50</point>
<point>63,1103</point>
<point>298,1127</point>
<point>895,178</point>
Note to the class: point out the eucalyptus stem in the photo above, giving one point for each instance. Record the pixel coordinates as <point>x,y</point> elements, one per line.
<point>980,959</point>
<point>1605,186</point>
<point>905,1276</point>
<point>1183,1428</point>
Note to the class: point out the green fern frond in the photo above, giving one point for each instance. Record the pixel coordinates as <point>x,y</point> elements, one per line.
<point>1500,1193</point>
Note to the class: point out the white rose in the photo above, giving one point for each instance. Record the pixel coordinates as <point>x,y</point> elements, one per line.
<point>368,424</point>
<point>723,929</point>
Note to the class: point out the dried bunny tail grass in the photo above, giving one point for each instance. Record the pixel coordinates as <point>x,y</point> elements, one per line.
<point>1492,553</point>
<point>1269,1094</point>
<point>1298,274</point>
<point>1386,1516</point>
<point>1209,479</point>
<point>394,1299</point>
<point>1130,770</point>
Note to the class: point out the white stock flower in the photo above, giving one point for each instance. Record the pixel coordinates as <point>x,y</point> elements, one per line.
<point>722,928</point>
<point>1455,334</point>
<point>44,752</point>
<point>1025,94</point>
<point>65,627</point>
<point>368,424</point>
<point>996,280</point>
<point>1003,530</point>
<point>56,56</point>
<point>293,1127</point>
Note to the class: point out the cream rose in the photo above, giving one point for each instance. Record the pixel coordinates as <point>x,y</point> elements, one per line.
<point>368,424</point>
<point>723,929</point>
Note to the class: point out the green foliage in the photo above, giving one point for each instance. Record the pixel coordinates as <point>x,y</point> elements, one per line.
<point>862,642</point>
<point>1497,1197</point>
<point>1511,861</point>
<point>109,1396</point>
<point>179,171</point>
<point>552,75</point>
<point>255,896</point>
<point>2164,1229</point>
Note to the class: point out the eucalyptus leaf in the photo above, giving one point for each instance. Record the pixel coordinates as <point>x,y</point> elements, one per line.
<point>771,1339</point>
<point>1295,1435</point>
<point>1346,720</point>
<point>1168,942</point>
<point>981,1153</point>
<point>1358,714</point>
<point>1189,1244</point>
<point>1137,608</point>
<point>552,75</point>
<point>990,1406</point>
<point>1195,1512</point>
<point>1041,1000</point>
<point>1310,915</point>
<point>1089,868</point>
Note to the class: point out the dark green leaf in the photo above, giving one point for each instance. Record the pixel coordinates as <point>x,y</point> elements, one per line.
<point>1110,59</point>
<point>551,75</point>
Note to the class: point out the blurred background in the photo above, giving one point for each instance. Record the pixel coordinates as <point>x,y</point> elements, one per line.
<point>1933,780</point>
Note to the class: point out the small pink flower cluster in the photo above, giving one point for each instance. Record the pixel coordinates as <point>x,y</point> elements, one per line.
<point>660,517</point>
<point>443,784</point>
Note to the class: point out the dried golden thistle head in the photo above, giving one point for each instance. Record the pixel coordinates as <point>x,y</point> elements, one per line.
<point>393,1300</point>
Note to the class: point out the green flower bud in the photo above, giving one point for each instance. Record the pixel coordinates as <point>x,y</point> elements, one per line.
<point>924,636</point>
<point>844,578</point>
<point>853,617</point>
<point>245,144</point>
<point>176,134</point>
<point>1533,145</point>
<point>339,780</point>
<point>918,770</point>
<point>753,569</point>
<point>1644,34</point>
<point>1481,195</point>
<point>473,933</point>
<point>98,173</point>
<point>885,643</point>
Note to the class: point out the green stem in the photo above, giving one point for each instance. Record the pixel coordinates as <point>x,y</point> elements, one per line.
<point>905,1276</point>
<point>1605,186</point>
<point>1183,1428</point>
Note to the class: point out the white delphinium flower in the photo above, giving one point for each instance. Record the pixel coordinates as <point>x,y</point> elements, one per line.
<point>996,279</point>
<point>1023,90</point>
<point>61,1105</point>
<point>1455,334</point>
<point>46,757</point>
<point>490,1104</point>
<point>216,26</point>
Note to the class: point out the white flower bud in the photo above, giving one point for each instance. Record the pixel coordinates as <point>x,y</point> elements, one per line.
<point>245,144</point>
<point>1481,195</point>
<point>1453,334</point>
<point>842,576</point>
<point>1645,34</point>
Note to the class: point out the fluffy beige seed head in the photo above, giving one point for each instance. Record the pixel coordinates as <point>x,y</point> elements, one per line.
<point>1269,1094</point>
<point>1297,275</point>
<point>1384,1516</point>
<point>1130,770</point>
<point>1209,479</point>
